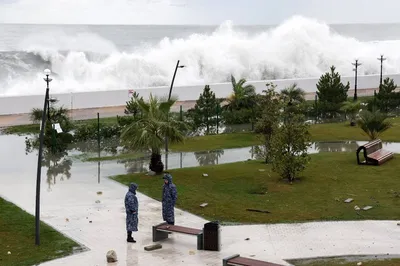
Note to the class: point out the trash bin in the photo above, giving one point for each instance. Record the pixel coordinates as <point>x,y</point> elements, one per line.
<point>211,236</point>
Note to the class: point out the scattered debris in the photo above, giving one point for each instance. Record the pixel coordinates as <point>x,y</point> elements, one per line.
<point>254,210</point>
<point>90,222</point>
<point>205,175</point>
<point>99,193</point>
<point>398,224</point>
<point>153,247</point>
<point>9,253</point>
<point>97,201</point>
<point>349,200</point>
<point>203,205</point>
<point>359,264</point>
<point>247,239</point>
<point>357,208</point>
<point>366,208</point>
<point>261,170</point>
<point>111,256</point>
<point>66,219</point>
<point>192,252</point>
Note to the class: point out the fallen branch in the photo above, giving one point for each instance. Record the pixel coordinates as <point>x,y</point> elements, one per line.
<point>254,210</point>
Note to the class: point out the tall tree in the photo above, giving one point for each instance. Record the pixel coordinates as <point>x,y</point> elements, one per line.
<point>290,143</point>
<point>331,93</point>
<point>266,125</point>
<point>150,131</point>
<point>373,123</point>
<point>387,99</point>
<point>205,111</point>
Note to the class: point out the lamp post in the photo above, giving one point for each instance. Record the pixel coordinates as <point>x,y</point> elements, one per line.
<point>356,64</point>
<point>47,72</point>
<point>381,77</point>
<point>169,96</point>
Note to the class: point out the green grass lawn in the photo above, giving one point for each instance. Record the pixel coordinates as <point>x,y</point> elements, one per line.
<point>115,157</point>
<point>329,179</point>
<point>343,262</point>
<point>17,235</point>
<point>343,131</point>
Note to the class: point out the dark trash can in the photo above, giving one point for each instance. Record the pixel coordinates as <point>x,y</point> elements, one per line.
<point>211,236</point>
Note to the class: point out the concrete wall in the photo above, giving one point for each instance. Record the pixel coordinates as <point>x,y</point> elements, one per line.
<point>82,100</point>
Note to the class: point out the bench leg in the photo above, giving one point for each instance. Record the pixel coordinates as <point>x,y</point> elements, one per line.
<point>159,235</point>
<point>200,242</point>
<point>225,262</point>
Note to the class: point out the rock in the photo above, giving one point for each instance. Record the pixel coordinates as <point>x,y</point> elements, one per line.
<point>261,170</point>
<point>192,252</point>
<point>366,208</point>
<point>153,247</point>
<point>111,256</point>
<point>203,205</point>
<point>66,219</point>
<point>359,264</point>
<point>398,224</point>
<point>247,239</point>
<point>9,253</point>
<point>90,222</point>
<point>349,200</point>
<point>97,201</point>
<point>99,193</point>
<point>205,175</point>
<point>357,208</point>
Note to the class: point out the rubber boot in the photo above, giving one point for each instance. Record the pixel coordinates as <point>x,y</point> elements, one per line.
<point>130,238</point>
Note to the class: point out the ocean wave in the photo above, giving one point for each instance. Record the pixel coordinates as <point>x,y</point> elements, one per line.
<point>298,48</point>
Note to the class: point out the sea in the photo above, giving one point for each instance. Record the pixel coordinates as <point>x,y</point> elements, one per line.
<point>105,57</point>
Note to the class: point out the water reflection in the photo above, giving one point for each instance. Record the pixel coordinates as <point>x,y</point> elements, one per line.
<point>64,166</point>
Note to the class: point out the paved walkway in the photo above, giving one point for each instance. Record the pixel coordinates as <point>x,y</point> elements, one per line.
<point>75,199</point>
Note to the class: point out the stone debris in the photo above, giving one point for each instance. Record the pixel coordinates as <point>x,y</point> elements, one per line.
<point>111,256</point>
<point>349,200</point>
<point>205,175</point>
<point>90,222</point>
<point>66,219</point>
<point>153,247</point>
<point>366,208</point>
<point>247,239</point>
<point>97,201</point>
<point>99,193</point>
<point>203,205</point>
<point>357,208</point>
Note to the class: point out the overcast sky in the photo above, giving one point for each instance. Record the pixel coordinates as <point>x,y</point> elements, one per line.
<point>213,12</point>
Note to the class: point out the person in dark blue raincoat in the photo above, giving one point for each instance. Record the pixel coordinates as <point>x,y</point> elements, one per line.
<point>169,198</point>
<point>131,208</point>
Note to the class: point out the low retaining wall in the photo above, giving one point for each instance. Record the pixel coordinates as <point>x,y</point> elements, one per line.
<point>95,99</point>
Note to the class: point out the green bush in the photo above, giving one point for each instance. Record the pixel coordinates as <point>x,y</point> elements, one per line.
<point>236,117</point>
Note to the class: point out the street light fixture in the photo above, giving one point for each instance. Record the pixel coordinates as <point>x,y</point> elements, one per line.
<point>47,73</point>
<point>381,78</point>
<point>356,64</point>
<point>169,97</point>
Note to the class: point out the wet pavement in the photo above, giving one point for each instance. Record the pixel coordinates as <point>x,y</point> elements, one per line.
<point>69,191</point>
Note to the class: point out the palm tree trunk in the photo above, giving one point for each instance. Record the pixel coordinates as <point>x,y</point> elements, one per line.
<point>156,164</point>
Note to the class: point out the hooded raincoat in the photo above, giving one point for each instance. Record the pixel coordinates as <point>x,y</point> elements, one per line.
<point>131,207</point>
<point>169,198</point>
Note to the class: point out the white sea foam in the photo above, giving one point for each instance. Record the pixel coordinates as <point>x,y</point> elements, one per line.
<point>298,48</point>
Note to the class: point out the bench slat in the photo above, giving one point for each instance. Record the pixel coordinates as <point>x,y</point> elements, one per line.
<point>380,154</point>
<point>179,229</point>
<point>240,261</point>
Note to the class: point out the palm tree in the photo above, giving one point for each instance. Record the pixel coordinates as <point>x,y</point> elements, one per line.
<point>373,123</point>
<point>351,109</point>
<point>149,132</point>
<point>242,95</point>
<point>293,94</point>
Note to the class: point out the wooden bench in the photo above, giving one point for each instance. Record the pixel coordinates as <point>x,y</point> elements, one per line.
<point>373,153</point>
<point>161,232</point>
<point>236,260</point>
